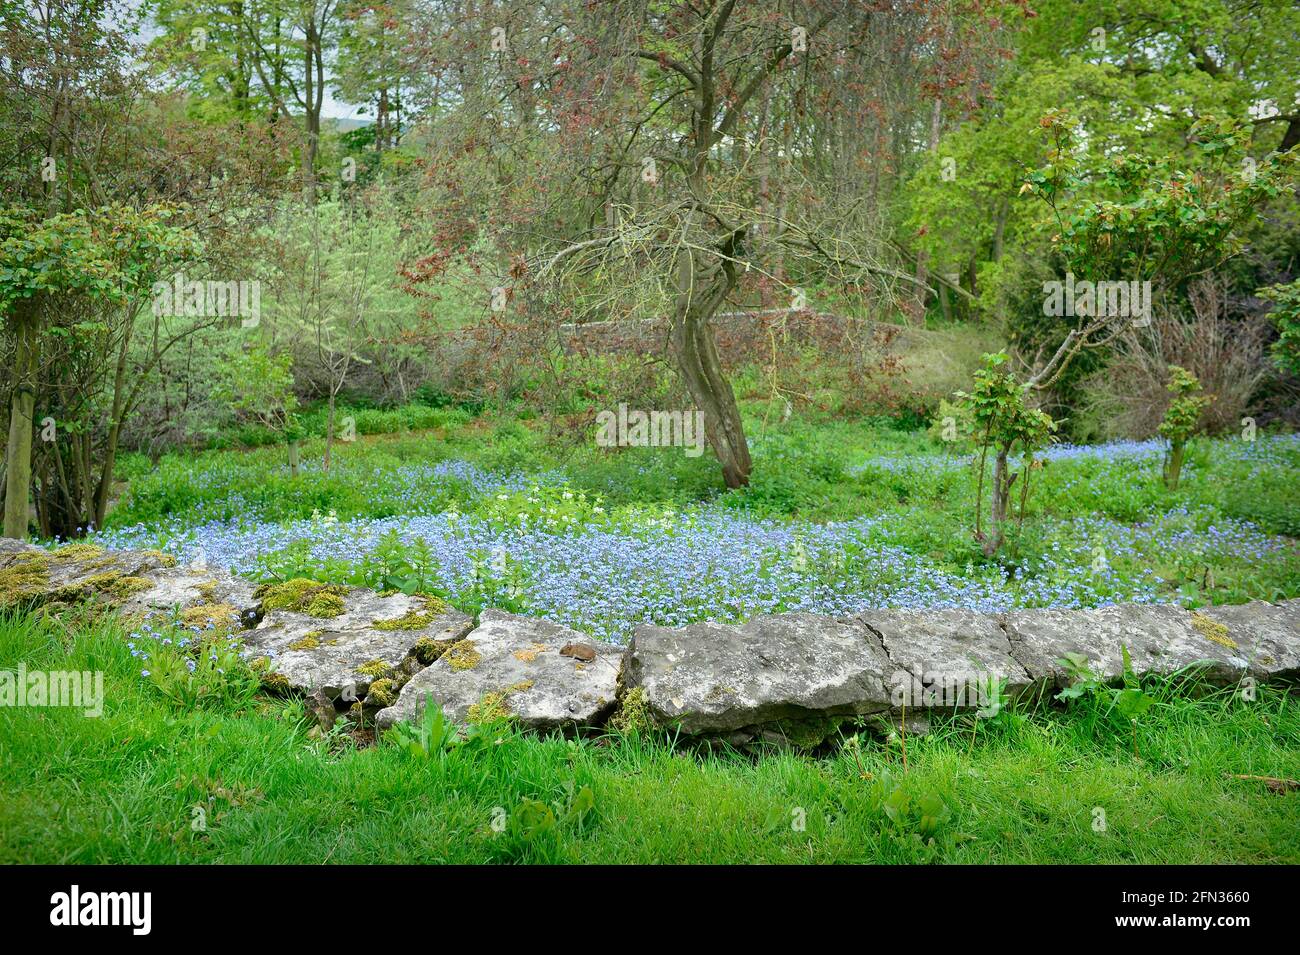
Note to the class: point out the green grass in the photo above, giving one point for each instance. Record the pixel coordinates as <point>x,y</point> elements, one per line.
<point>123,788</point>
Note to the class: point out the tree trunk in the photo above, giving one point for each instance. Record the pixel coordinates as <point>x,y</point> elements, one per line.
<point>998,504</point>
<point>329,431</point>
<point>1174,467</point>
<point>922,256</point>
<point>293,457</point>
<point>1000,231</point>
<point>696,353</point>
<point>22,409</point>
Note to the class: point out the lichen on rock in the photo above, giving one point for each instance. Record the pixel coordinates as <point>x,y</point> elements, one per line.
<point>462,655</point>
<point>1213,630</point>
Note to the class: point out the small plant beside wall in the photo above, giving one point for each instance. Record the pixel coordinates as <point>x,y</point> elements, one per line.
<point>1181,420</point>
<point>1003,423</point>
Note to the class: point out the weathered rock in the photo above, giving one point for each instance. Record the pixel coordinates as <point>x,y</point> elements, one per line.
<point>945,658</point>
<point>197,596</point>
<point>373,638</point>
<point>1160,640</point>
<point>10,547</point>
<point>513,664</point>
<point>792,677</point>
<point>1266,635</point>
<point>75,572</point>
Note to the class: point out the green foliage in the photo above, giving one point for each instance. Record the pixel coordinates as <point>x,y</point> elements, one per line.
<point>1001,420</point>
<point>191,668</point>
<point>1128,702</point>
<point>921,816</point>
<point>1285,314</point>
<point>1184,412</point>
<point>112,253</point>
<point>1135,216</point>
<point>258,383</point>
<point>433,737</point>
<point>1181,419</point>
<point>999,414</point>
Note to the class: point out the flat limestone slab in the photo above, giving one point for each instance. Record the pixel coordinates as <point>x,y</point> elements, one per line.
<point>342,656</point>
<point>72,573</point>
<point>186,588</point>
<point>1266,634</point>
<point>1160,639</point>
<point>516,664</point>
<point>710,678</point>
<point>950,655</point>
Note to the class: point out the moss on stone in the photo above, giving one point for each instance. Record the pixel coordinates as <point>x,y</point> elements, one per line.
<point>325,605</point>
<point>462,655</point>
<point>126,587</point>
<point>309,641</point>
<point>223,617</point>
<point>633,713</point>
<point>112,584</point>
<point>303,596</point>
<point>375,668</point>
<point>434,607</point>
<point>276,682</point>
<point>27,576</point>
<point>491,708</point>
<point>1213,631</point>
<point>382,693</point>
<point>427,649</point>
<point>164,560</point>
<point>808,734</point>
<point>78,552</point>
<point>411,620</point>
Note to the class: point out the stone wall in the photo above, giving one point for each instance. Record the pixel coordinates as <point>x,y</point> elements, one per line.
<point>788,678</point>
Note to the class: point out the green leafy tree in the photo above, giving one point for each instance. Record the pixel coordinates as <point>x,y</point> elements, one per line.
<point>1285,314</point>
<point>1181,421</point>
<point>1143,218</point>
<point>1002,422</point>
<point>259,384</point>
<point>76,282</point>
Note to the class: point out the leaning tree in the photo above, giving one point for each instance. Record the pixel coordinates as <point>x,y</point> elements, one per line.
<point>638,160</point>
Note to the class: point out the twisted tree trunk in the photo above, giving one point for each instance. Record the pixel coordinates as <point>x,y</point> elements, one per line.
<point>700,291</point>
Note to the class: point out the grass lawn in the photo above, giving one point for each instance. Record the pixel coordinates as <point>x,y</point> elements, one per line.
<point>125,787</point>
